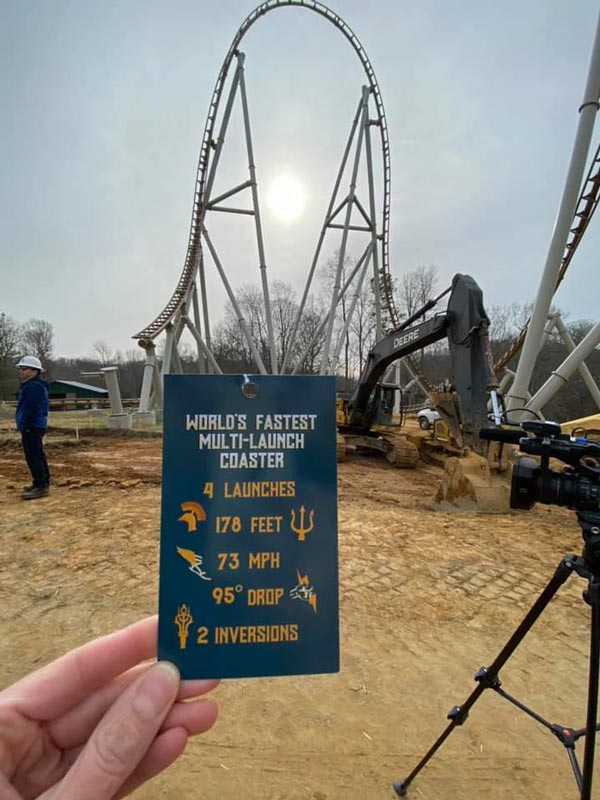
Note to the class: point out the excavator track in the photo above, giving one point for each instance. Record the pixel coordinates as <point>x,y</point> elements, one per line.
<point>397,449</point>
<point>402,453</point>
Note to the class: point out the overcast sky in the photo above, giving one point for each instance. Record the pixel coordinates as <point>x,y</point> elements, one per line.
<point>104,103</point>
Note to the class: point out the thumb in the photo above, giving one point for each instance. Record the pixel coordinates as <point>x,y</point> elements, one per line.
<point>122,736</point>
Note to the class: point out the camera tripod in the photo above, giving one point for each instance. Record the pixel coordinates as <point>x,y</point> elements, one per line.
<point>586,566</point>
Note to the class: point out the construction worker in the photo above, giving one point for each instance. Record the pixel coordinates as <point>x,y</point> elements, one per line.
<point>31,417</point>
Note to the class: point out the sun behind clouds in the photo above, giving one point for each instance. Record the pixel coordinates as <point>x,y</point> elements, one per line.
<point>286,198</point>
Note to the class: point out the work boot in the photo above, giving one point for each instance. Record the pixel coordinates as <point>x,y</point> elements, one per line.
<point>28,488</point>
<point>35,493</point>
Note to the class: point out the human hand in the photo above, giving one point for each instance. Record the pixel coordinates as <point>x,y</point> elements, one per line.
<point>97,723</point>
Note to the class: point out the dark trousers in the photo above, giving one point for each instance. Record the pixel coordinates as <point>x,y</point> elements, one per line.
<point>33,447</point>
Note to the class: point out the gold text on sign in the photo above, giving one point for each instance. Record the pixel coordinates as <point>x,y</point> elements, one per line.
<point>265,524</point>
<point>300,527</point>
<point>224,524</point>
<point>265,597</point>
<point>264,560</point>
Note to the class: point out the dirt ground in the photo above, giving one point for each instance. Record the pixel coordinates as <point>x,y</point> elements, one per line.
<point>427,597</point>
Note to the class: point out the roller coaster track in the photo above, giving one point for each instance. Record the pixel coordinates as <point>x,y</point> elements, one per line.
<point>203,187</point>
<point>586,206</point>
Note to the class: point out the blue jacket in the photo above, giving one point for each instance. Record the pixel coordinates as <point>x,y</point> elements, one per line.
<point>32,405</point>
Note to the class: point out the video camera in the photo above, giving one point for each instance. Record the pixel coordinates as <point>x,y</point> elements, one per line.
<point>577,486</point>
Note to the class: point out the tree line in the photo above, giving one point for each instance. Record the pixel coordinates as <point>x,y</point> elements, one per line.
<point>412,291</point>
<point>35,337</point>
<point>354,332</point>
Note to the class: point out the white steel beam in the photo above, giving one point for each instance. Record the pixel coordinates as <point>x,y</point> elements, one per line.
<point>587,114</point>
<point>561,375</point>
<point>583,369</point>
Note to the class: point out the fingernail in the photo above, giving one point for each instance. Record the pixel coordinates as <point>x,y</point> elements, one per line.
<point>157,690</point>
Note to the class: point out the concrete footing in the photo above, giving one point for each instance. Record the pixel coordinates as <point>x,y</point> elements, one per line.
<point>143,418</point>
<point>122,421</point>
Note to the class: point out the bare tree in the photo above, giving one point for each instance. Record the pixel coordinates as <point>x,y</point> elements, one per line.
<point>37,338</point>
<point>131,372</point>
<point>579,329</point>
<point>327,276</point>
<point>10,337</point>
<point>413,291</point>
<point>230,343</point>
<point>102,351</point>
<point>362,328</point>
<point>506,322</point>
<point>308,348</point>
<point>415,288</point>
<point>284,310</point>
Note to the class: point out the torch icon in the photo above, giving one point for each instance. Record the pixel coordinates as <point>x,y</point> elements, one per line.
<point>183,620</point>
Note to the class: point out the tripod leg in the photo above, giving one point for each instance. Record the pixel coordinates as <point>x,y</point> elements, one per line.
<point>487,677</point>
<point>592,709</point>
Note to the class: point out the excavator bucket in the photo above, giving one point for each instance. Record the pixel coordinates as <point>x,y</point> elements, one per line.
<point>468,484</point>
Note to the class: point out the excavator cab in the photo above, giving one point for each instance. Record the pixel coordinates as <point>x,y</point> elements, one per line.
<point>379,407</point>
<point>381,404</point>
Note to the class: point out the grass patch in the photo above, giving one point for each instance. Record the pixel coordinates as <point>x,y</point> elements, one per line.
<point>85,418</point>
<point>82,421</point>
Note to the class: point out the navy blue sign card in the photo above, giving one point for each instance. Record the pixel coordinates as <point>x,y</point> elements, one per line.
<point>248,545</point>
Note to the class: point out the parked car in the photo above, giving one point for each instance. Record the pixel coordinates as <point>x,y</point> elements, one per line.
<point>426,417</point>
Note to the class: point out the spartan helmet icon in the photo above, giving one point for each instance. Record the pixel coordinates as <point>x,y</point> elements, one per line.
<point>193,513</point>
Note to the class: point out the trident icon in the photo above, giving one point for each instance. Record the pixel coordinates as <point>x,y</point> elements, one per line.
<point>183,620</point>
<point>300,530</point>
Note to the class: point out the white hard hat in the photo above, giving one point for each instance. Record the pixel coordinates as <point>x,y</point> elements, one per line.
<point>32,362</point>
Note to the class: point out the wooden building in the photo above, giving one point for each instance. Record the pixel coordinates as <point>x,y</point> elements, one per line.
<point>63,394</point>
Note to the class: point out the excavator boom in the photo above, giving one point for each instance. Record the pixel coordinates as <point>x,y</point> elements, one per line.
<point>465,324</point>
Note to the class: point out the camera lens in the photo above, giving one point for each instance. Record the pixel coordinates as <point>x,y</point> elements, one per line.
<point>530,484</point>
<point>576,491</point>
<point>524,484</point>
